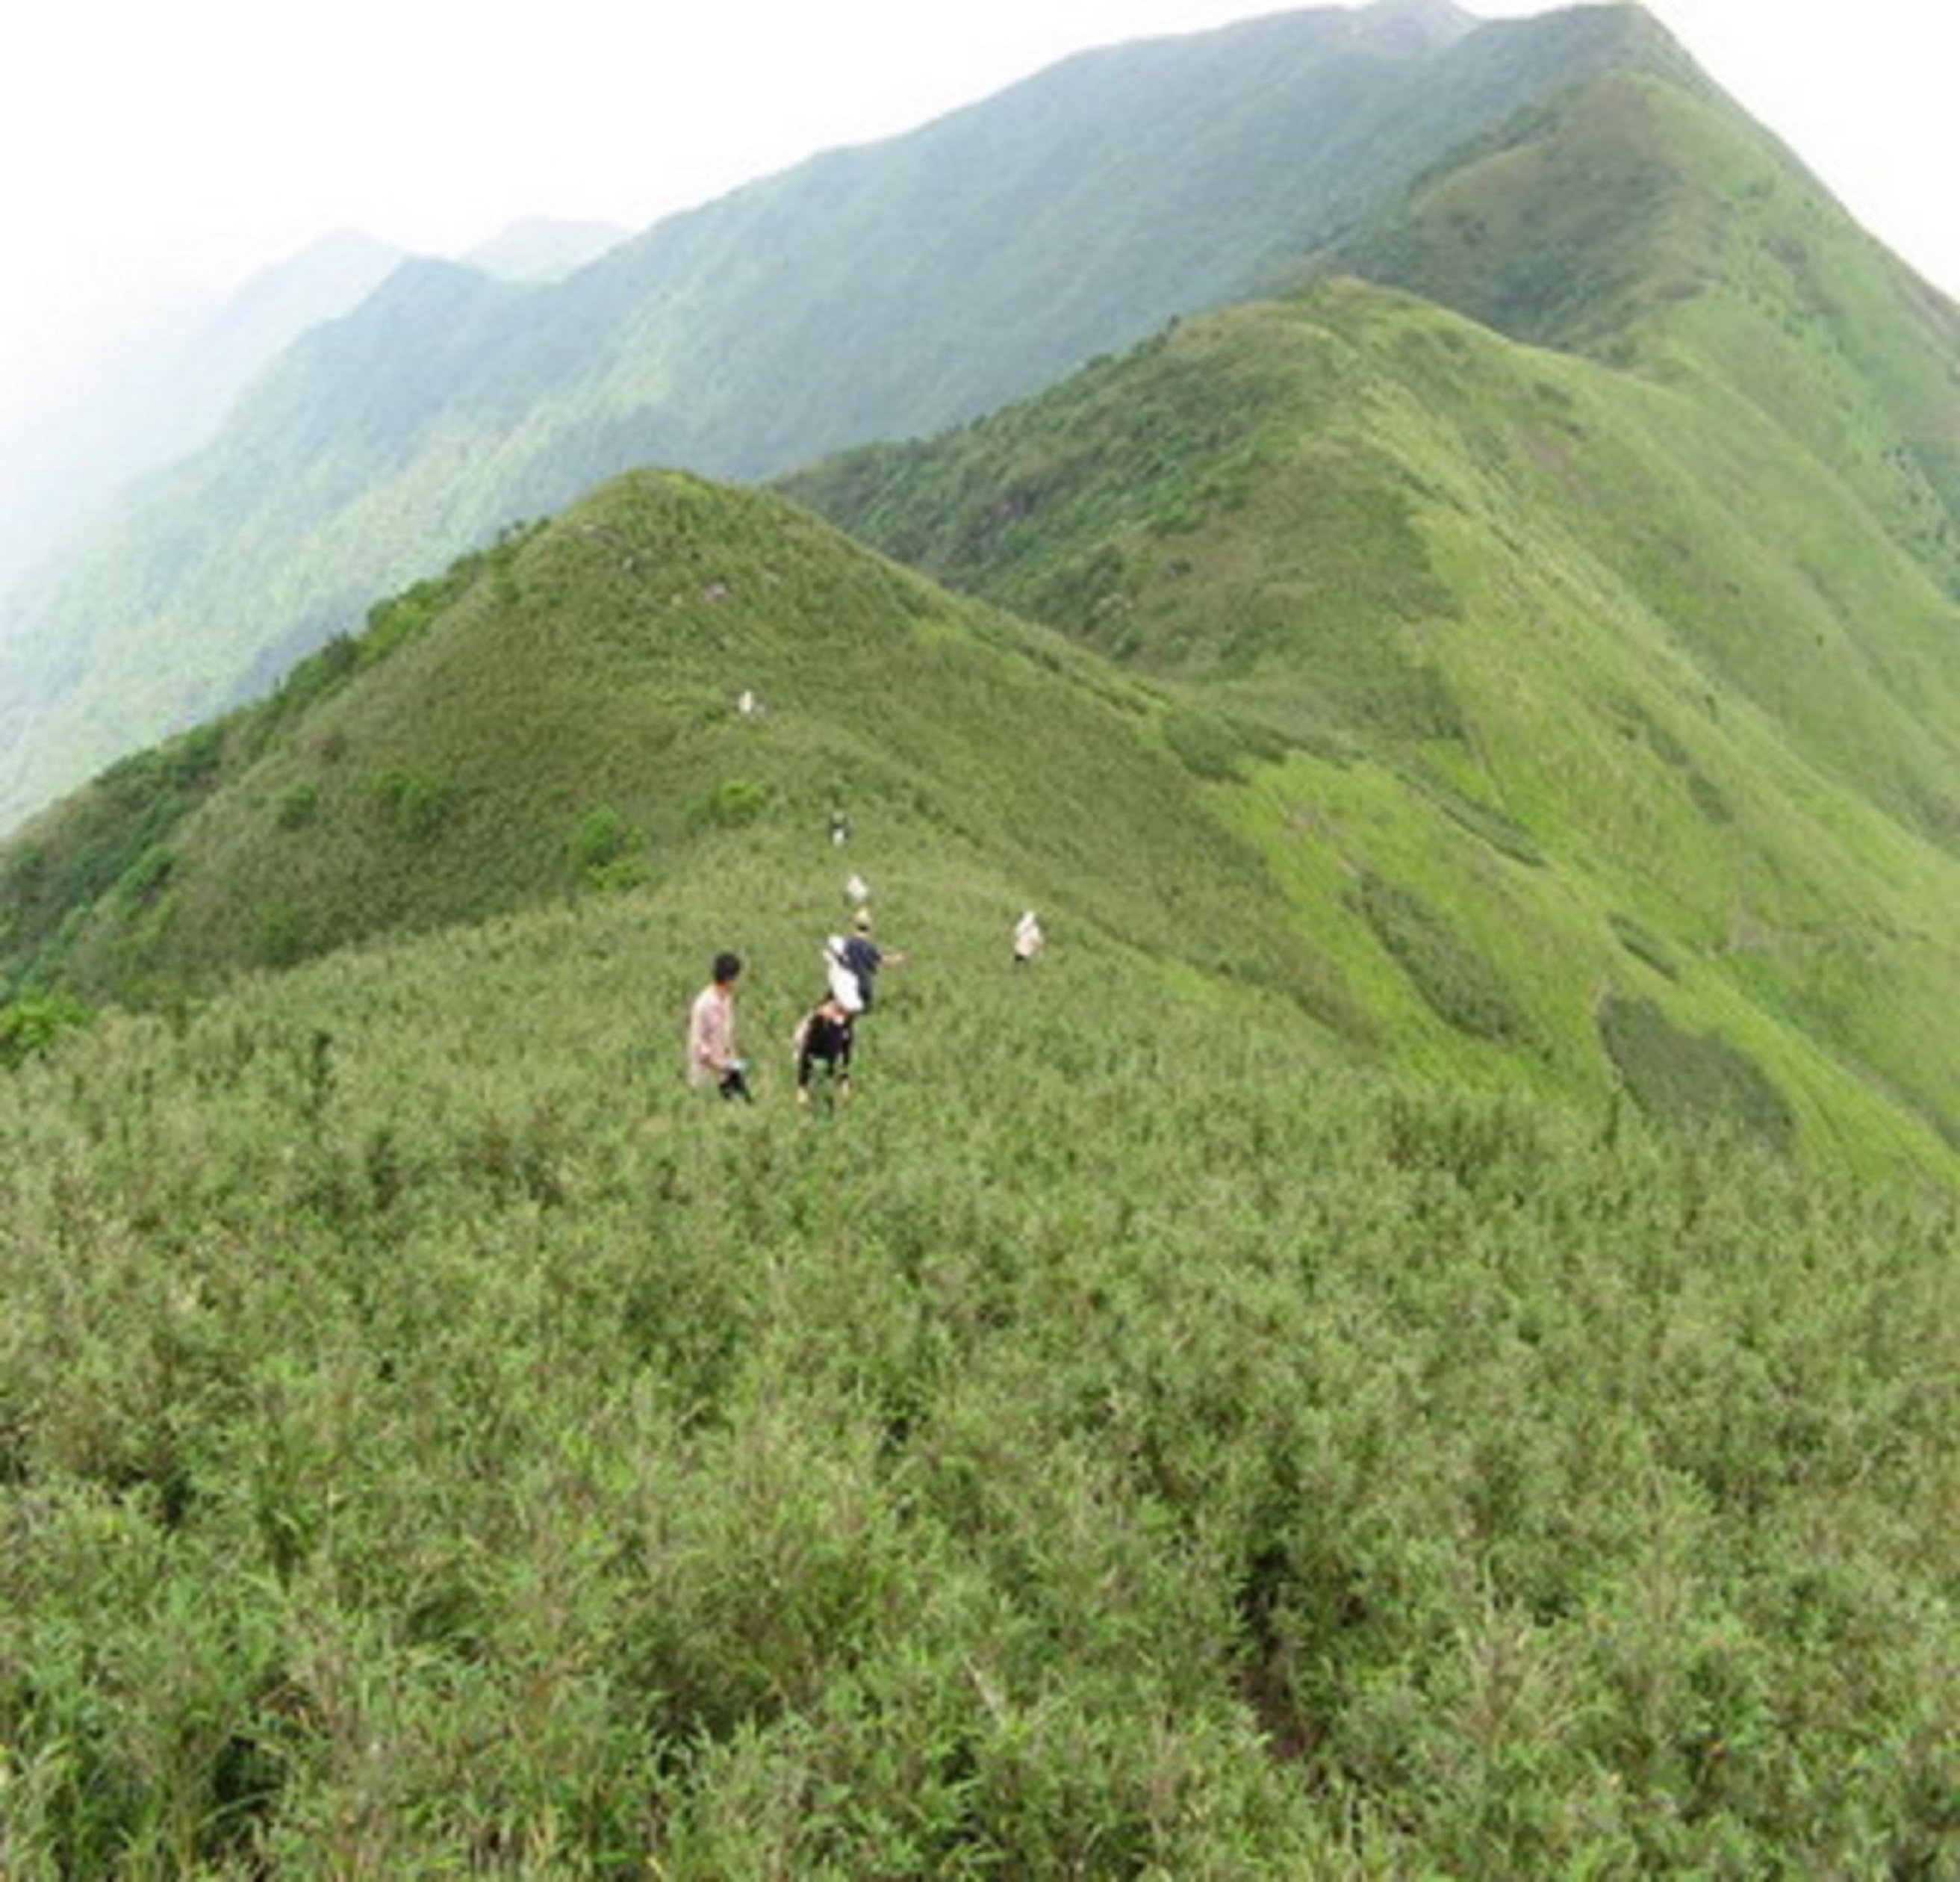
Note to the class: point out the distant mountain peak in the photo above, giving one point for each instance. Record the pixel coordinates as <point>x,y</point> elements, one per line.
<point>1437,20</point>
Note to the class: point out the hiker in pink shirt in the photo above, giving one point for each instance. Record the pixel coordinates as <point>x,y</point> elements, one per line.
<point>711,1033</point>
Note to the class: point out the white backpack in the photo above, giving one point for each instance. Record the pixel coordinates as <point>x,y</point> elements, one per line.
<point>845,988</point>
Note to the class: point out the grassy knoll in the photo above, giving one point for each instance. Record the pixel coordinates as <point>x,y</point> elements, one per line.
<point>1126,1443</point>
<point>560,716</point>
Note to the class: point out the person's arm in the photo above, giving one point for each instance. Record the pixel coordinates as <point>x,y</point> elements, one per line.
<point>800,1044</point>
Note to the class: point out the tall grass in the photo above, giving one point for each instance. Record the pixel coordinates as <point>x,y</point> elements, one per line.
<point>1119,1443</point>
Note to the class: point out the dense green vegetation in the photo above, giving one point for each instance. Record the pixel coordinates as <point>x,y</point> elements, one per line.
<point>1442,862</point>
<point>561,714</point>
<point>1420,1340</point>
<point>1123,1443</point>
<point>1145,1434</point>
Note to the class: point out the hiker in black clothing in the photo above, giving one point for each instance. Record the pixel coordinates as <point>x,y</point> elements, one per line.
<point>824,1039</point>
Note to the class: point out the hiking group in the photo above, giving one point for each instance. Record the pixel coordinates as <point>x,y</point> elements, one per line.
<point>826,1037</point>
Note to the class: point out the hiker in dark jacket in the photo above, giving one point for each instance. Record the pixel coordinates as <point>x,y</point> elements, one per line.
<point>864,957</point>
<point>823,1042</point>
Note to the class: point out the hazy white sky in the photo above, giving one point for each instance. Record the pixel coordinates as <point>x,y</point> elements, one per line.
<point>146,143</point>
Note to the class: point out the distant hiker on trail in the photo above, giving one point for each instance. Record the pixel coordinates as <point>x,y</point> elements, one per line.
<point>711,1033</point>
<point>1028,939</point>
<point>823,1040</point>
<point>840,829</point>
<point>864,957</point>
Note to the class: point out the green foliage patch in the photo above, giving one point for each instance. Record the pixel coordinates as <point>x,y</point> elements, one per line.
<point>1693,1081</point>
<point>1458,983</point>
<point>415,803</point>
<point>31,1025</point>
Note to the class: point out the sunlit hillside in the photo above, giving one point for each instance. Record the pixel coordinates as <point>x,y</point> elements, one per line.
<point>565,715</point>
<point>1525,692</point>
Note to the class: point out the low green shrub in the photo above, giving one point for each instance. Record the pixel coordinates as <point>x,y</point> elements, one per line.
<point>605,852</point>
<point>30,1024</point>
<point>1459,986</point>
<point>1692,1080</point>
<point>433,1439</point>
<point>416,803</point>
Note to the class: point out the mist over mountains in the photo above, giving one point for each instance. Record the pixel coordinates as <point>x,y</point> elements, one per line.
<point>882,291</point>
<point>166,385</point>
<point>158,392</point>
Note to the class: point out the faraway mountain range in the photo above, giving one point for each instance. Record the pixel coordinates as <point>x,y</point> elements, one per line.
<point>874,293</point>
<point>153,397</point>
<point>1446,520</point>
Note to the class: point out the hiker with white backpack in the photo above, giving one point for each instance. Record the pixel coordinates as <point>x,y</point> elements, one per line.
<point>852,962</point>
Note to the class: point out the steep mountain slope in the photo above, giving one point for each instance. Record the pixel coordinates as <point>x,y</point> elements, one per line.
<point>1540,779</point>
<point>1649,224</point>
<point>1665,619</point>
<point>883,291</point>
<point>1518,838</point>
<point>1584,718</point>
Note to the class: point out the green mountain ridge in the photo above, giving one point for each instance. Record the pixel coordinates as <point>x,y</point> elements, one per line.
<point>1361,548</point>
<point>876,292</point>
<point>1506,825</point>
<point>570,701</point>
<point>1670,608</point>
<point>1574,710</point>
<point>1143,1431</point>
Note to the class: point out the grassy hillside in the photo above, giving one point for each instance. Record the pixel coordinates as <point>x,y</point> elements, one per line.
<point>1418,1339</point>
<point>1639,222</point>
<point>1123,1443</point>
<point>881,292</point>
<point>1509,669</point>
<point>561,716</point>
<point>1472,806</point>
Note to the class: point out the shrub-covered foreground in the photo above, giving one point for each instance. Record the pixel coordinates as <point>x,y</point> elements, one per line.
<point>1119,1445</point>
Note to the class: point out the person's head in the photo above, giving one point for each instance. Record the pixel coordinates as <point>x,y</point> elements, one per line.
<point>728,970</point>
<point>861,922</point>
